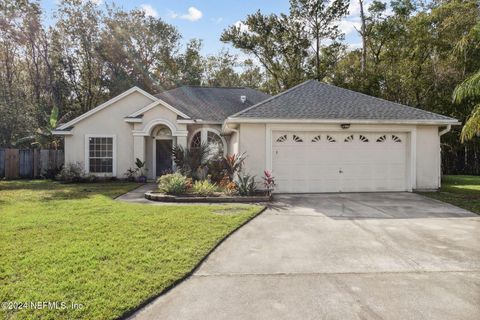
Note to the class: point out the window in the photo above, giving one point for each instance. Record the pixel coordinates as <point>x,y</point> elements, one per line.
<point>297,138</point>
<point>100,154</point>
<point>349,138</point>
<point>382,138</point>
<point>282,138</point>
<point>331,139</point>
<point>316,138</point>
<point>363,138</point>
<point>396,138</point>
<point>215,144</point>
<point>196,140</point>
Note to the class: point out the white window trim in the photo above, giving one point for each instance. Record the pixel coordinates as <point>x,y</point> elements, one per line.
<point>114,154</point>
<point>204,137</point>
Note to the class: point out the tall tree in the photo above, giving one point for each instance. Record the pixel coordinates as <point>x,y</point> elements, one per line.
<point>192,63</point>
<point>220,70</point>
<point>278,42</point>
<point>139,50</point>
<point>321,18</point>
<point>79,27</point>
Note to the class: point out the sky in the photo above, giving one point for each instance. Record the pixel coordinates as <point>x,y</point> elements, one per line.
<point>206,19</point>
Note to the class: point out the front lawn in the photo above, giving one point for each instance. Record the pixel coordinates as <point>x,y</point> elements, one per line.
<point>462,191</point>
<point>73,244</point>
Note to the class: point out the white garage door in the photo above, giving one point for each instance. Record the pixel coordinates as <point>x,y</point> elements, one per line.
<point>339,162</point>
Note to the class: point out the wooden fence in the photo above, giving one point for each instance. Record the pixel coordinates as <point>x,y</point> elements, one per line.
<point>18,163</point>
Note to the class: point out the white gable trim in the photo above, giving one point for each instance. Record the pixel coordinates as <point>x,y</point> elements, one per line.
<point>155,103</point>
<point>106,104</point>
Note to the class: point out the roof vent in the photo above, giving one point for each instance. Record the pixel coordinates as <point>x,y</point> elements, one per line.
<point>243,98</point>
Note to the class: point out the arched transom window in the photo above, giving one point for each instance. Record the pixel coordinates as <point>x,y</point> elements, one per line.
<point>215,142</point>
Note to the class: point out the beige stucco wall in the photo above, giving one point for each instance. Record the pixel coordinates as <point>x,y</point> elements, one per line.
<point>108,121</point>
<point>253,141</point>
<point>428,157</point>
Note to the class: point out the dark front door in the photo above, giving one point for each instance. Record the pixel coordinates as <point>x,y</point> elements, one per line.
<point>163,156</point>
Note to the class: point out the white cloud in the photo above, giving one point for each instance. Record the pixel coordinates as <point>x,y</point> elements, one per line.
<point>243,27</point>
<point>149,10</point>
<point>193,14</point>
<point>348,26</point>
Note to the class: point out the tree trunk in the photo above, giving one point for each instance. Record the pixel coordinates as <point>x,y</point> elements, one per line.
<point>363,61</point>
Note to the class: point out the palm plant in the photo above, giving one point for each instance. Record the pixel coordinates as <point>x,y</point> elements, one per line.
<point>469,90</point>
<point>43,136</point>
<point>191,161</point>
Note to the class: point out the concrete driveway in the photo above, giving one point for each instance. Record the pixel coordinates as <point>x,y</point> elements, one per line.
<point>339,256</point>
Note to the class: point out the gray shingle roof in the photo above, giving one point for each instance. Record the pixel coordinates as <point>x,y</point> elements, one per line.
<point>211,103</point>
<point>315,100</point>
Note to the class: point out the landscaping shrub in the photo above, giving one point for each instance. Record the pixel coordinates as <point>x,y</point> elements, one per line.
<point>204,188</point>
<point>52,173</point>
<point>72,172</point>
<point>174,183</point>
<point>246,184</point>
<point>131,174</point>
<point>216,169</point>
<point>233,164</point>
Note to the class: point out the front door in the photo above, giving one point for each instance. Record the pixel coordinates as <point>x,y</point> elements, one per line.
<point>163,156</point>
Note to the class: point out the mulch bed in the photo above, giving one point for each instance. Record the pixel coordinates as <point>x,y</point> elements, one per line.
<point>217,198</point>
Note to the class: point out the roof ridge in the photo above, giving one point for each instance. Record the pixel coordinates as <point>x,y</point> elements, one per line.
<point>271,98</point>
<point>213,87</point>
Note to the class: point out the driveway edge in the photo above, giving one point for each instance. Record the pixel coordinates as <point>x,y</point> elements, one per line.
<point>130,313</point>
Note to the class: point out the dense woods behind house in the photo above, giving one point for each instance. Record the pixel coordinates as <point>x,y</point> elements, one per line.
<point>412,52</point>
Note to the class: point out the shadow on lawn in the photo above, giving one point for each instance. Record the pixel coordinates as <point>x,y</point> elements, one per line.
<point>53,190</point>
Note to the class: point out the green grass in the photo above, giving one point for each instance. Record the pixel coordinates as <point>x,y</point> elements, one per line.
<point>75,244</point>
<point>461,191</point>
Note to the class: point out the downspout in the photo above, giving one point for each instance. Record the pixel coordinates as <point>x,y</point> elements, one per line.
<point>446,130</point>
<point>225,127</point>
<point>440,134</point>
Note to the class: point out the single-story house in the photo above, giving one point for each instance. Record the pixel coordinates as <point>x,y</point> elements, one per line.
<point>314,137</point>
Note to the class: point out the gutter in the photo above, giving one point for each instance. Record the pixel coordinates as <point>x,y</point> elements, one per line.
<point>447,129</point>
<point>335,121</point>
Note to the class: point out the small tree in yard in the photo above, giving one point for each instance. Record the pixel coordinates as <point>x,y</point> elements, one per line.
<point>268,181</point>
<point>141,168</point>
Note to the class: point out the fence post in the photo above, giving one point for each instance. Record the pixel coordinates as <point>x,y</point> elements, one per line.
<point>2,163</point>
<point>12,164</point>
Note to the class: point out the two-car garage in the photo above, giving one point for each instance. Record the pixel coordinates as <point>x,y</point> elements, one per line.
<point>311,161</point>
<point>317,137</point>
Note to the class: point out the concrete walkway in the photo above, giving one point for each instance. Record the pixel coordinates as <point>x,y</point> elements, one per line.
<point>339,256</point>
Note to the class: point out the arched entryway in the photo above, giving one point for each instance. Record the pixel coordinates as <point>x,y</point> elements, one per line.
<point>162,144</point>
